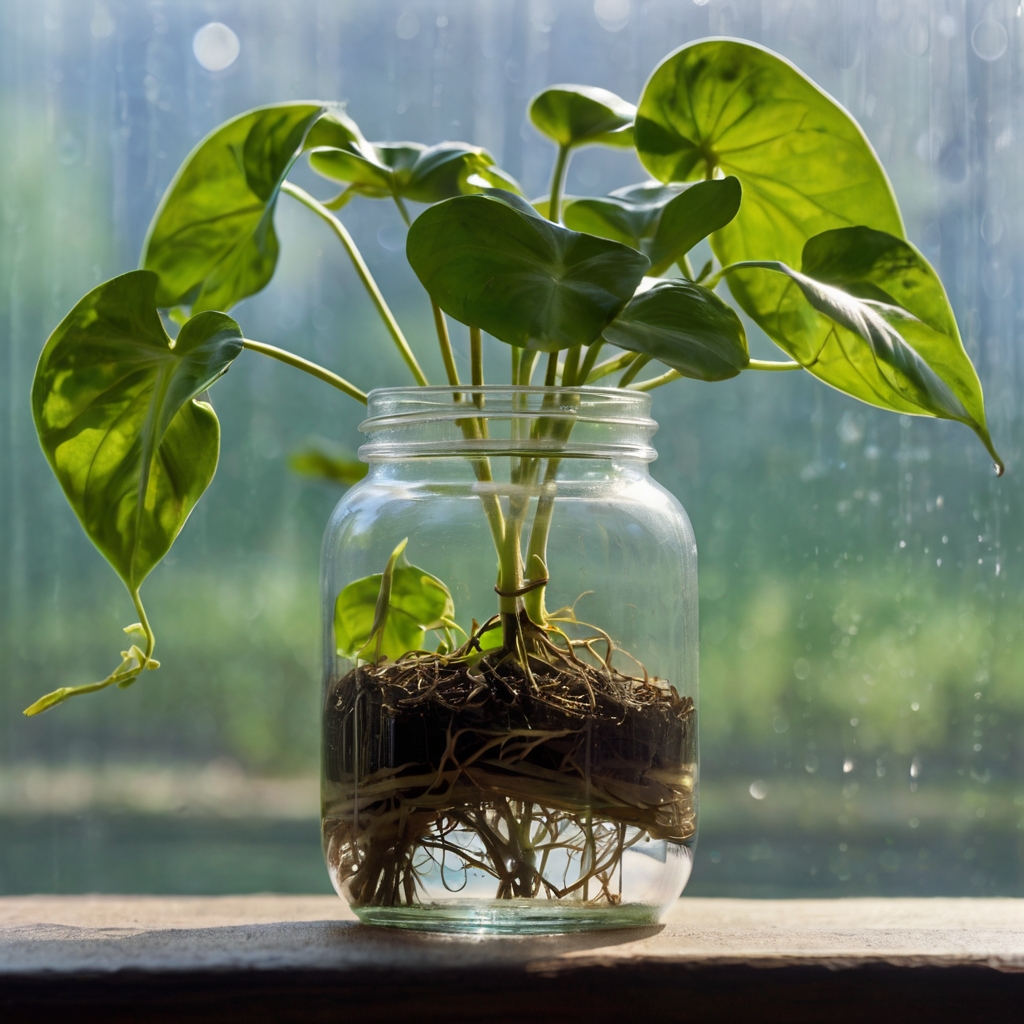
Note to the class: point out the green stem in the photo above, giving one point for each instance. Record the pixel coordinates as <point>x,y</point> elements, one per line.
<point>610,366</point>
<point>587,367</point>
<point>635,367</point>
<point>304,364</point>
<point>572,362</point>
<point>476,356</point>
<point>656,382</point>
<point>551,374</point>
<point>123,676</point>
<point>440,324</point>
<point>527,362</point>
<point>771,364</point>
<point>557,184</point>
<point>144,623</point>
<point>364,275</point>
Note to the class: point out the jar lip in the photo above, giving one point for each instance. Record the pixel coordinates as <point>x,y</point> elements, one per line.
<point>439,400</point>
<point>420,422</point>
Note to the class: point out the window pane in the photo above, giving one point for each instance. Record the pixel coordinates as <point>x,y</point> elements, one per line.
<point>862,630</point>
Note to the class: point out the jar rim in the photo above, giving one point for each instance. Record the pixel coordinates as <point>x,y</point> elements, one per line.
<point>432,421</point>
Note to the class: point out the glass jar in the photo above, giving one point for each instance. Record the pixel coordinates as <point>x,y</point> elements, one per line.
<point>526,760</point>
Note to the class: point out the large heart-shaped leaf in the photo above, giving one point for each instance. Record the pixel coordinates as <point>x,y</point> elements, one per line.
<point>116,409</point>
<point>663,221</point>
<point>579,115</point>
<point>212,241</point>
<point>865,348</point>
<point>721,106</point>
<point>685,326</point>
<point>408,170</point>
<point>389,613</point>
<point>493,263</point>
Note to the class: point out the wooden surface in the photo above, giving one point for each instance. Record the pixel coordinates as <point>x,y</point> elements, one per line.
<point>304,958</point>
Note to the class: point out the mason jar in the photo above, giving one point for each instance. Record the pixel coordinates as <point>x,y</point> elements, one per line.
<point>510,666</point>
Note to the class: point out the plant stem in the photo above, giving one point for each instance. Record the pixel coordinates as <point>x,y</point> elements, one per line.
<point>440,324</point>
<point>572,362</point>
<point>304,364</point>
<point>144,623</point>
<point>610,366</point>
<point>557,184</point>
<point>527,362</point>
<point>656,382</point>
<point>445,341</point>
<point>770,364</point>
<point>635,367</point>
<point>551,374</point>
<point>587,366</point>
<point>364,275</point>
<point>476,356</point>
<point>123,676</point>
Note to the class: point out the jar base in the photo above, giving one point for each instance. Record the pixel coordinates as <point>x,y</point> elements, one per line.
<point>510,917</point>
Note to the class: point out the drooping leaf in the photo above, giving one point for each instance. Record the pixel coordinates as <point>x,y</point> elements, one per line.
<point>579,115</point>
<point>685,326</point>
<point>725,107</point>
<point>413,602</point>
<point>322,459</point>
<point>212,240</point>
<point>629,215</point>
<point>663,221</point>
<point>869,349</point>
<point>875,265</point>
<point>408,170</point>
<point>116,409</point>
<point>492,262</point>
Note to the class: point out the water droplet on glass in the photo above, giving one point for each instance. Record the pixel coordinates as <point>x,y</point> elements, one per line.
<point>989,39</point>
<point>216,46</point>
<point>407,26</point>
<point>758,790</point>
<point>102,25</point>
<point>612,15</point>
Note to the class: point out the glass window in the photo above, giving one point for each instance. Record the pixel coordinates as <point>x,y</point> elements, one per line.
<point>861,573</point>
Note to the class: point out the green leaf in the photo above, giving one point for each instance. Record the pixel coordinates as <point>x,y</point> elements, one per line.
<point>877,266</point>
<point>117,411</point>
<point>579,115</point>
<point>663,221</point>
<point>212,241</point>
<point>863,347</point>
<point>628,215</point>
<point>685,326</point>
<point>395,607</point>
<point>422,174</point>
<point>322,459</point>
<point>703,208</point>
<point>493,263</point>
<point>724,107</point>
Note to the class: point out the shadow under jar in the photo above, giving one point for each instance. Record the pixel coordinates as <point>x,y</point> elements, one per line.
<point>529,763</point>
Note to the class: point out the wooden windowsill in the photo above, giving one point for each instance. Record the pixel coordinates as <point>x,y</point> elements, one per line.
<point>304,958</point>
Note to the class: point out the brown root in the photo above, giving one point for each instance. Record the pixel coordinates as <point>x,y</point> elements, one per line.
<point>553,762</point>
